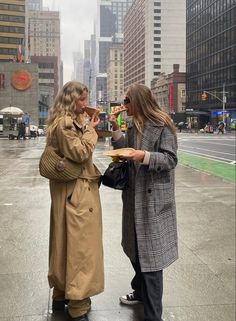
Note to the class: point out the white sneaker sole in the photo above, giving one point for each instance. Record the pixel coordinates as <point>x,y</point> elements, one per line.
<point>127,302</point>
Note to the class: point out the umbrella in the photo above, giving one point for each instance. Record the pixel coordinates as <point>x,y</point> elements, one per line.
<point>12,111</point>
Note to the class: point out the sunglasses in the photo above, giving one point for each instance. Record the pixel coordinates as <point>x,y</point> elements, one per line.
<point>126,101</point>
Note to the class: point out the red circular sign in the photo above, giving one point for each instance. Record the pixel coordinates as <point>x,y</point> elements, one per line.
<point>21,79</point>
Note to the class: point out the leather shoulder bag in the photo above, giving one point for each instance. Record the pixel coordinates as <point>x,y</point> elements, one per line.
<point>116,175</point>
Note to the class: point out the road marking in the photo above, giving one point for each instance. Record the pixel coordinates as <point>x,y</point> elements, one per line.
<point>219,159</point>
<point>210,150</point>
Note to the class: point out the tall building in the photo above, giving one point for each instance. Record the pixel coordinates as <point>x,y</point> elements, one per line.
<point>44,41</point>
<point>44,33</point>
<point>115,73</point>
<point>109,30</point>
<point>35,5</point>
<point>12,30</point>
<point>78,60</point>
<point>87,64</point>
<point>154,39</point>
<point>211,57</point>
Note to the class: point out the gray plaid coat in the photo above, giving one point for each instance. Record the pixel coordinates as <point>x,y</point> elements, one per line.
<point>149,201</point>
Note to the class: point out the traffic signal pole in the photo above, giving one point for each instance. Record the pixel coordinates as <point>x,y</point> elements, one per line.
<point>223,100</point>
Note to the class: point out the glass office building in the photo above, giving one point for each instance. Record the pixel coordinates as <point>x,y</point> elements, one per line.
<point>211,56</point>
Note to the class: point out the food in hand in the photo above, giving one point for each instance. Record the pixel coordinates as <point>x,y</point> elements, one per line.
<point>121,152</point>
<point>90,111</point>
<point>116,110</point>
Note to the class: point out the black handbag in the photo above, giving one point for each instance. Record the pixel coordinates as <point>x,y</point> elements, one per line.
<point>116,175</point>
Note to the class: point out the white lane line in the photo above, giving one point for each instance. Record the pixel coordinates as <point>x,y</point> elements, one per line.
<point>219,159</point>
<point>209,150</point>
<point>222,144</point>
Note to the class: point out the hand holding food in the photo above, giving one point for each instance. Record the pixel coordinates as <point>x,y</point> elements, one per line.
<point>113,120</point>
<point>116,110</point>
<point>95,120</point>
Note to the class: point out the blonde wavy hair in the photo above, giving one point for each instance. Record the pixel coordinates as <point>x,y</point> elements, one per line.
<point>64,104</point>
<point>145,108</point>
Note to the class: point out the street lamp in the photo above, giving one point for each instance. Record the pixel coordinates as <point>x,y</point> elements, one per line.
<point>223,100</point>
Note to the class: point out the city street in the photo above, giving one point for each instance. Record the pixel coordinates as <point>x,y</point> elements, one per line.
<point>200,286</point>
<point>219,147</point>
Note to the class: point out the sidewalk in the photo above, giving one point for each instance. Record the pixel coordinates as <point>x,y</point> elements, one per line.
<point>200,286</point>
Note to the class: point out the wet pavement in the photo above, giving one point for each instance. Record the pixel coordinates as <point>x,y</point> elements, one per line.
<point>200,286</point>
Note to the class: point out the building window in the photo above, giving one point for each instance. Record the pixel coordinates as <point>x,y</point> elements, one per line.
<point>183,93</point>
<point>157,4</point>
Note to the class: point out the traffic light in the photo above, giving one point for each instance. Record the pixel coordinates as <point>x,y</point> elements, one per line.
<point>204,96</point>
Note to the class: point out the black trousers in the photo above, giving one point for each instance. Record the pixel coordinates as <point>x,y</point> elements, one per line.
<point>148,286</point>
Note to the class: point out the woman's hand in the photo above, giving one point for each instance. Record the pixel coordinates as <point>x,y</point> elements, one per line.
<point>113,120</point>
<point>95,120</point>
<point>137,155</point>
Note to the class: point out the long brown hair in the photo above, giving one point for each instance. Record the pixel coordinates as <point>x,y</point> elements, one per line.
<point>145,107</point>
<point>65,103</point>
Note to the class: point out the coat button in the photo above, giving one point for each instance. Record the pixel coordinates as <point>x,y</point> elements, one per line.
<point>149,190</point>
<point>91,209</point>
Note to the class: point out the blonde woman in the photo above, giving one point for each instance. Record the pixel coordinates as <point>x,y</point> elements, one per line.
<point>149,232</point>
<point>75,253</point>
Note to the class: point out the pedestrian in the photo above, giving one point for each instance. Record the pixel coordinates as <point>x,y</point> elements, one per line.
<point>189,127</point>
<point>21,131</point>
<point>180,126</point>
<point>149,231</point>
<point>221,128</point>
<point>75,254</point>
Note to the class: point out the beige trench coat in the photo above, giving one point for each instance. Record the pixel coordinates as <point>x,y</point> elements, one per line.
<point>76,251</point>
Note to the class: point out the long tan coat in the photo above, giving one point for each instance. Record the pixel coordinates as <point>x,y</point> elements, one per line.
<point>76,252</point>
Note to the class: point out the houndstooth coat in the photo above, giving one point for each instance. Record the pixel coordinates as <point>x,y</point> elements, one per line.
<point>149,201</point>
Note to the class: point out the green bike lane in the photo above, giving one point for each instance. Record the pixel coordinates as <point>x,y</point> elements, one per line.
<point>217,168</point>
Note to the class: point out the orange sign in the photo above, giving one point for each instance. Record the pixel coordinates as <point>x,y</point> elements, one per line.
<point>21,79</point>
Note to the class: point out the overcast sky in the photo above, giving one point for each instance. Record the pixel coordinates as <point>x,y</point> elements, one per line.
<point>77,24</point>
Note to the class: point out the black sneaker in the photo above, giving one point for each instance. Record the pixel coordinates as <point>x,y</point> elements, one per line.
<point>59,305</point>
<point>130,299</point>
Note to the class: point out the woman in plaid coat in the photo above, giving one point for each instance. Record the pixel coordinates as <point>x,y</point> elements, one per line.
<point>149,232</point>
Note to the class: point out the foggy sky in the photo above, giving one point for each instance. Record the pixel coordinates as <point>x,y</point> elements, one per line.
<point>77,24</point>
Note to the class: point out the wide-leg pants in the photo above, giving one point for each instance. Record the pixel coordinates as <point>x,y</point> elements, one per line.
<point>148,286</point>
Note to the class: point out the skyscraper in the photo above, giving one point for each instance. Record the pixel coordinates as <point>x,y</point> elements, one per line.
<point>12,30</point>
<point>211,57</point>
<point>109,29</point>
<point>87,64</point>
<point>154,39</point>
